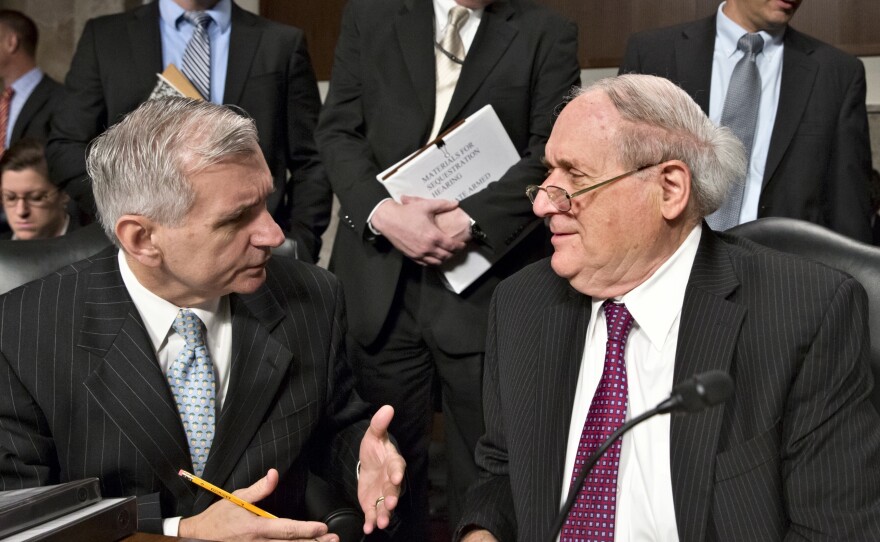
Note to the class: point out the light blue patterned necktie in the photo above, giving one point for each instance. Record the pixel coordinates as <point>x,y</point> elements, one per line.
<point>191,377</point>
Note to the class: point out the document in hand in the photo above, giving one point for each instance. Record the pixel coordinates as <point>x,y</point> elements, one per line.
<point>464,160</point>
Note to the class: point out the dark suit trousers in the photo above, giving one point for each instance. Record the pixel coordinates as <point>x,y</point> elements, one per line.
<point>399,369</point>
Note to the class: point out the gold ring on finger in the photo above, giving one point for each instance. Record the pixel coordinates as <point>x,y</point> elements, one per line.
<point>380,499</point>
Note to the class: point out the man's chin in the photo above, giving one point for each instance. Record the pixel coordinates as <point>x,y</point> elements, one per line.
<point>250,280</point>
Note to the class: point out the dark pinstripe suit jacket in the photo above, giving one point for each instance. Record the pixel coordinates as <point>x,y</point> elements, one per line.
<point>793,455</point>
<point>83,395</point>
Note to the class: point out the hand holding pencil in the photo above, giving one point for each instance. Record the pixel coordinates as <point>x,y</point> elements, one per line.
<point>228,520</point>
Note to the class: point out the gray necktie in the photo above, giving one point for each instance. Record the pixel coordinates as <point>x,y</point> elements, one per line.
<point>449,55</point>
<point>740,114</point>
<point>197,57</point>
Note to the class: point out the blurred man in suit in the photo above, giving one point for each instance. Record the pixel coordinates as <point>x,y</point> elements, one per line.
<point>187,347</point>
<point>810,153</point>
<point>259,65</point>
<point>35,208</point>
<point>29,95</point>
<point>639,295</point>
<point>404,71</point>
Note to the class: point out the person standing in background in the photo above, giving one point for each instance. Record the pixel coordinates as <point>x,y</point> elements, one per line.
<point>233,57</point>
<point>798,105</point>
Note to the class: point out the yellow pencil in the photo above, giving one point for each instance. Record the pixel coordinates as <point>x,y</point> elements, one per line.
<point>225,494</point>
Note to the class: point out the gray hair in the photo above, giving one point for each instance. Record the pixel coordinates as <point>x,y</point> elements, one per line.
<point>663,123</point>
<point>140,165</point>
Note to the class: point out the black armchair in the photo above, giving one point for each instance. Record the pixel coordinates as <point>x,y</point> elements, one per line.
<point>860,260</point>
<point>24,261</point>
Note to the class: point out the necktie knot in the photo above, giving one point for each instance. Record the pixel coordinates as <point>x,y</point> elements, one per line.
<point>198,18</point>
<point>190,327</point>
<point>8,92</point>
<point>618,320</point>
<point>458,15</point>
<point>751,44</point>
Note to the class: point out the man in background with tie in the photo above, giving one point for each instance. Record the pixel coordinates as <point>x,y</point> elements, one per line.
<point>404,71</point>
<point>186,347</point>
<point>640,295</point>
<point>29,95</point>
<point>797,104</point>
<point>232,57</point>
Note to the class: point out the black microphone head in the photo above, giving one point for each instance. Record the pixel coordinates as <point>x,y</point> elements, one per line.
<point>702,391</point>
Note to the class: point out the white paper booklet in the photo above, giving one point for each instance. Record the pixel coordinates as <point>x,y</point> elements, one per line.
<point>464,160</point>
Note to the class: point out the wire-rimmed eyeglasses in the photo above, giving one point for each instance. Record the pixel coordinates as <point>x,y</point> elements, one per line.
<point>33,199</point>
<point>561,199</point>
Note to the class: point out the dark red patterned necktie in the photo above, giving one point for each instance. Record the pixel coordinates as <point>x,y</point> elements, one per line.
<point>5,100</point>
<point>592,516</point>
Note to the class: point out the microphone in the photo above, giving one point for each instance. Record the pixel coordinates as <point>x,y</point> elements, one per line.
<point>693,395</point>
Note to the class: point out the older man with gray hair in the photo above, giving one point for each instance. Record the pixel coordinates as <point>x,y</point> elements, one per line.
<point>639,296</point>
<point>188,347</point>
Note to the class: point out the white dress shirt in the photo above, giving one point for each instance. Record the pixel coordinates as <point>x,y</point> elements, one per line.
<point>645,510</point>
<point>158,316</point>
<point>769,63</point>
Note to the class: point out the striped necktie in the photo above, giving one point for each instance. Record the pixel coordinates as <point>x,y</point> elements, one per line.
<point>591,519</point>
<point>197,57</point>
<point>5,101</point>
<point>449,54</point>
<point>740,114</point>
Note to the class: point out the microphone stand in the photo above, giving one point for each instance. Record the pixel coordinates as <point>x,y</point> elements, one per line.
<point>662,408</point>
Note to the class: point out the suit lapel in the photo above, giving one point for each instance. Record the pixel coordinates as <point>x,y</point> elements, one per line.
<point>693,59</point>
<point>710,326</point>
<point>127,383</point>
<point>414,26</point>
<point>244,40</point>
<point>33,104</point>
<point>259,367</point>
<point>563,332</point>
<point>146,44</point>
<point>492,40</point>
<point>798,75</point>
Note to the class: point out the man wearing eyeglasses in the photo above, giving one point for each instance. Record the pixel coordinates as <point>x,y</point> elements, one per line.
<point>640,295</point>
<point>34,207</point>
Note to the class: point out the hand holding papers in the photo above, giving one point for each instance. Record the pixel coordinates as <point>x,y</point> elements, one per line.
<point>466,159</point>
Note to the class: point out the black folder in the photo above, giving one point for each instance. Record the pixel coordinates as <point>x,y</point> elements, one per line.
<point>24,508</point>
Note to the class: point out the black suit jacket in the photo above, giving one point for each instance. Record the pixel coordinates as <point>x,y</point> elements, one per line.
<point>83,394</point>
<point>794,453</point>
<point>819,160</point>
<point>269,75</point>
<point>380,108</point>
<point>33,119</point>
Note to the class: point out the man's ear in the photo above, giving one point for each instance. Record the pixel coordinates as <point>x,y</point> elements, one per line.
<point>675,186</point>
<point>135,234</point>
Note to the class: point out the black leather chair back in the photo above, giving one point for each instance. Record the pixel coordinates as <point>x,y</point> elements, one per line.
<point>860,260</point>
<point>24,261</point>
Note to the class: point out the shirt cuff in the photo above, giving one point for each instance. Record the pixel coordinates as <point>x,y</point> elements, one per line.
<point>171,526</point>
<point>370,218</point>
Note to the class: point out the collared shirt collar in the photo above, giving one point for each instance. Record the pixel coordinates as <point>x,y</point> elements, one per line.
<point>172,14</point>
<point>729,34</point>
<point>158,314</point>
<point>26,84</point>
<point>650,302</point>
